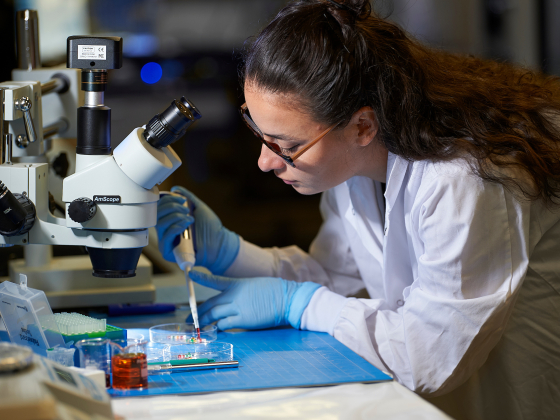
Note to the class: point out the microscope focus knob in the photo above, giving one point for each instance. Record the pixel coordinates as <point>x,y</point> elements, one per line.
<point>17,212</point>
<point>82,209</point>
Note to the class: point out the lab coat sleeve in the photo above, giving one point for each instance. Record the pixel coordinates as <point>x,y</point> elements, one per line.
<point>329,262</point>
<point>472,263</point>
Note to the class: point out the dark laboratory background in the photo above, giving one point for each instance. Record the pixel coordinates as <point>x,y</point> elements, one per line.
<point>197,43</point>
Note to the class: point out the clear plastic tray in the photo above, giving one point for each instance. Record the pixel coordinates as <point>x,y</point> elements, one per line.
<point>182,334</point>
<point>157,352</point>
<point>219,352</point>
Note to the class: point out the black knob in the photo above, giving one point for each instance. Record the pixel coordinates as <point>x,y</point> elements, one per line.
<point>17,213</point>
<point>61,165</point>
<point>82,209</point>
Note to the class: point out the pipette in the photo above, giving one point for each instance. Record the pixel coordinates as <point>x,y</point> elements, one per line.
<point>185,257</point>
<point>192,302</point>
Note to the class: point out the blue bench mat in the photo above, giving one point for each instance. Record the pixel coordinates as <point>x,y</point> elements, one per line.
<point>268,359</point>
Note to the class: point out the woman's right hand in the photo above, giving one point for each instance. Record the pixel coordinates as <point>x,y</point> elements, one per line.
<point>215,246</point>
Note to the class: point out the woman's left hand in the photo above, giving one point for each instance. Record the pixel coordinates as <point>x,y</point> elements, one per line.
<point>253,303</point>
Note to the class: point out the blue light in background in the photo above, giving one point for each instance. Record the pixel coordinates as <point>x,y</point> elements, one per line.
<point>140,45</point>
<point>151,73</point>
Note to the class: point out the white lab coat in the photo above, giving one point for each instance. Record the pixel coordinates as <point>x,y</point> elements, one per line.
<point>464,279</point>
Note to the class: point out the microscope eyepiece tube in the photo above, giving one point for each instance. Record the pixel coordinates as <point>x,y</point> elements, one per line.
<point>144,156</point>
<point>171,124</point>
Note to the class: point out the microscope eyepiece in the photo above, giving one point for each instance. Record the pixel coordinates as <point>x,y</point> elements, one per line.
<point>171,124</point>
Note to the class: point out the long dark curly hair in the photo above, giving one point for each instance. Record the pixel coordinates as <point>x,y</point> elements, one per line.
<point>430,104</point>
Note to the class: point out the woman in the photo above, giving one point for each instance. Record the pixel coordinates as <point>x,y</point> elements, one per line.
<point>460,254</point>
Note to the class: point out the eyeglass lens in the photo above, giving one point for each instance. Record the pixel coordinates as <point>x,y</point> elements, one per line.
<point>272,146</point>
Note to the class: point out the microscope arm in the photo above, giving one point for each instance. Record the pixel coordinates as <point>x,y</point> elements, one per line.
<point>48,229</point>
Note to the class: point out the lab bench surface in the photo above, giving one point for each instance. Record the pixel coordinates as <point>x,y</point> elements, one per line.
<point>380,401</point>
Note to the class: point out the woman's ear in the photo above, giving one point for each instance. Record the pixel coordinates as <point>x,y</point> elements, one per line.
<point>364,125</point>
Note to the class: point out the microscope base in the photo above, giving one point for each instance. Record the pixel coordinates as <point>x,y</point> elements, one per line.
<point>68,283</point>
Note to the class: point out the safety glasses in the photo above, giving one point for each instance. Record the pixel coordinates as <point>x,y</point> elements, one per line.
<point>275,147</point>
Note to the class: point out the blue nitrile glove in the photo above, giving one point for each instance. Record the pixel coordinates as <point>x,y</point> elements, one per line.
<point>216,247</point>
<point>253,303</point>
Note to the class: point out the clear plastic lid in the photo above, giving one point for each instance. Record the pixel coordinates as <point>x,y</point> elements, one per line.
<point>219,352</point>
<point>28,317</point>
<point>157,352</point>
<point>182,333</point>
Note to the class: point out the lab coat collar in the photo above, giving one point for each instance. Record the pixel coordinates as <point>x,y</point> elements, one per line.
<point>396,170</point>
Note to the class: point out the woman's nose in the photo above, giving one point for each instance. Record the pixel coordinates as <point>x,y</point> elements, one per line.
<point>269,161</point>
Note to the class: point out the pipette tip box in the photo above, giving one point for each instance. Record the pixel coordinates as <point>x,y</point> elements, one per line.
<point>29,320</point>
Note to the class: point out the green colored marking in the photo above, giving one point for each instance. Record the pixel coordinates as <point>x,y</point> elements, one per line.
<point>183,362</point>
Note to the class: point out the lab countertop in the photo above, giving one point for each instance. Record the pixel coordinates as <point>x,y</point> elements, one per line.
<point>385,400</point>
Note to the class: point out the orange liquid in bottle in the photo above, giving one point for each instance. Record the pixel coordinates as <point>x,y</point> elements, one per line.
<point>130,370</point>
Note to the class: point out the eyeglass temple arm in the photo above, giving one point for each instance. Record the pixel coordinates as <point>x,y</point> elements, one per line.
<point>323,134</point>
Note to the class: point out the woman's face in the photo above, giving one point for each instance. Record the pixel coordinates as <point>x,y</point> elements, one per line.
<point>333,160</point>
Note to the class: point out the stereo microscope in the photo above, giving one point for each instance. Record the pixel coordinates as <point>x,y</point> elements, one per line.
<point>111,199</point>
